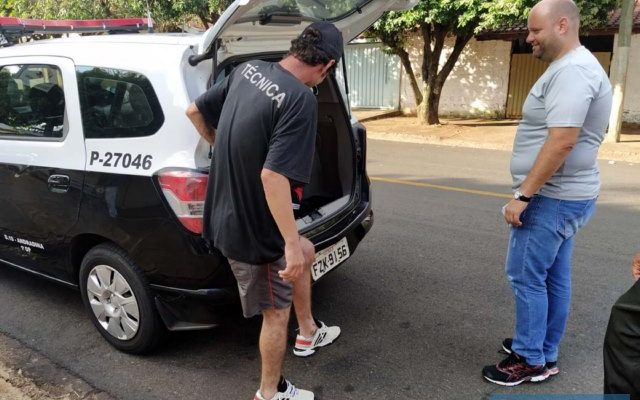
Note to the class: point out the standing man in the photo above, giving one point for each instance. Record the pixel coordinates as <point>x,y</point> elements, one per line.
<point>622,342</point>
<point>556,183</point>
<point>263,119</point>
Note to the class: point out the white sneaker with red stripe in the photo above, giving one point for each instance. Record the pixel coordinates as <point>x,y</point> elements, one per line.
<point>324,336</point>
<point>286,391</point>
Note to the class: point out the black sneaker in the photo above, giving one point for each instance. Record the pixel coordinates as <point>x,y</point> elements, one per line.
<point>552,366</point>
<point>514,370</point>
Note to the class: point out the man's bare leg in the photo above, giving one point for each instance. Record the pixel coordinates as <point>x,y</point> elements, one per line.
<point>302,292</point>
<point>273,343</point>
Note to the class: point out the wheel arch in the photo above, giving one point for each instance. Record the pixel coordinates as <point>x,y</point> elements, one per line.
<point>151,330</point>
<point>80,246</point>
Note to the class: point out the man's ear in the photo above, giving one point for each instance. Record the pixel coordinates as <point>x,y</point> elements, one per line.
<point>328,66</point>
<point>563,25</point>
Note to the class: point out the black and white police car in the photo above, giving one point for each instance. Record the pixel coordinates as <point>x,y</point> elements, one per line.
<point>102,176</point>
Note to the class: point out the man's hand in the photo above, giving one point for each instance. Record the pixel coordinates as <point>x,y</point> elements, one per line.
<point>295,262</point>
<point>277,191</point>
<point>635,267</point>
<point>512,212</point>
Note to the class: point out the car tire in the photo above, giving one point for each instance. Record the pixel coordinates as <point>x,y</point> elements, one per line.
<point>118,300</point>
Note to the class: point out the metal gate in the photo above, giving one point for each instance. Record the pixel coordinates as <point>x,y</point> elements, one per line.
<point>374,76</point>
<point>525,71</point>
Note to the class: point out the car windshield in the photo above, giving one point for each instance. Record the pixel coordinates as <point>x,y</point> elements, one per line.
<point>325,10</point>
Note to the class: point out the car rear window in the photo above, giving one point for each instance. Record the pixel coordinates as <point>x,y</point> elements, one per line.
<point>31,101</point>
<point>117,104</point>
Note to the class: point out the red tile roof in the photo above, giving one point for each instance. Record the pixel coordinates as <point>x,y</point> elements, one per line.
<point>614,20</point>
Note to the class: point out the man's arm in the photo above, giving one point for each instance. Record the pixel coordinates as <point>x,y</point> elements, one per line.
<point>635,267</point>
<point>553,153</point>
<point>197,119</point>
<point>277,190</point>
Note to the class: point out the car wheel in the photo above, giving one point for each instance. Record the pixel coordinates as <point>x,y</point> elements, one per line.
<point>118,300</point>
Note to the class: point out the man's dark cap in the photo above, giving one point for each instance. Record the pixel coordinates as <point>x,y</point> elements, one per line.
<point>330,39</point>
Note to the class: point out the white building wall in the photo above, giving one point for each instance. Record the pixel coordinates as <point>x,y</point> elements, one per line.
<point>631,111</point>
<point>478,84</point>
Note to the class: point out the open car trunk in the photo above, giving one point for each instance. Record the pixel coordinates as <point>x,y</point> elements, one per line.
<point>334,163</point>
<point>333,172</point>
<point>254,27</point>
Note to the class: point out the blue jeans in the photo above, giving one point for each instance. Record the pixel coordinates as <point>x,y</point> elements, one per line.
<point>539,271</point>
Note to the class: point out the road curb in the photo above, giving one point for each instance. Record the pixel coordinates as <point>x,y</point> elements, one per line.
<point>377,116</point>
<point>33,375</point>
<point>605,153</point>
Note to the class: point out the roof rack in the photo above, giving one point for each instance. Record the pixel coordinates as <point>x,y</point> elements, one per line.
<point>12,29</point>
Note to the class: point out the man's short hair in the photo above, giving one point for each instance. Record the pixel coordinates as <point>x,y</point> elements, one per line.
<point>318,44</point>
<point>305,49</point>
<point>557,9</point>
<point>569,9</point>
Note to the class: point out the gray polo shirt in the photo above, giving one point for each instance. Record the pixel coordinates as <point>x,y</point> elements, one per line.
<point>574,91</point>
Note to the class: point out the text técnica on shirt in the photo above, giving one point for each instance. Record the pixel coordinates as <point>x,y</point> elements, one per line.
<point>250,72</point>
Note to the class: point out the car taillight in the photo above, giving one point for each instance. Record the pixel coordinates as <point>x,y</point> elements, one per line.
<point>185,192</point>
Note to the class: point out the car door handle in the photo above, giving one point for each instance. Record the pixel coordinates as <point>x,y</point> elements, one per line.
<point>59,183</point>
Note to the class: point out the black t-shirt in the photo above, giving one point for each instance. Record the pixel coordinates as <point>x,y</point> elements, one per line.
<point>265,118</point>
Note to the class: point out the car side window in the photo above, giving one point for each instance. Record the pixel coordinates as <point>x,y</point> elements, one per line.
<point>32,103</point>
<point>117,104</point>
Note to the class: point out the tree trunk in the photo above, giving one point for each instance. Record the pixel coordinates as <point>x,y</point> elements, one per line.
<point>204,22</point>
<point>434,80</point>
<point>408,68</point>
<point>422,111</point>
<point>215,16</point>
<point>104,4</point>
<point>433,104</point>
<point>430,63</point>
<point>397,49</point>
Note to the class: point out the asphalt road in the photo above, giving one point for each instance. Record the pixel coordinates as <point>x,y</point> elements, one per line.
<point>423,303</point>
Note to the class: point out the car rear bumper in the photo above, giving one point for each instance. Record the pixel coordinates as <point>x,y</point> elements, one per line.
<point>193,309</point>
<point>354,226</point>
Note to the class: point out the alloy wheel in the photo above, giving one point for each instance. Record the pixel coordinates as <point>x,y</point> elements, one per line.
<point>113,302</point>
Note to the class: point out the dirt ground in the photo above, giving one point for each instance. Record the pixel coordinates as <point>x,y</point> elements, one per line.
<point>28,375</point>
<point>477,133</point>
<point>13,386</point>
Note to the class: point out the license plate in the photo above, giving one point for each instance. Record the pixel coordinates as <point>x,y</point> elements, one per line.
<point>329,258</point>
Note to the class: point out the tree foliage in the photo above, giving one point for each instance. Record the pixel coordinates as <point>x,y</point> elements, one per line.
<point>6,7</point>
<point>593,13</point>
<point>435,20</point>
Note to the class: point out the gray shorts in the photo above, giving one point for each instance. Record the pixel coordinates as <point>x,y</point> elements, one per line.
<point>260,286</point>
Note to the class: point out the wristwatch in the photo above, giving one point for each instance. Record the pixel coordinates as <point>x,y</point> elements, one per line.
<point>519,196</point>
